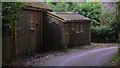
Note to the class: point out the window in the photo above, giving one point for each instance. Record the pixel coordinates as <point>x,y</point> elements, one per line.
<point>73,26</point>
<point>77,29</point>
<point>31,24</point>
<point>81,28</point>
<point>66,29</point>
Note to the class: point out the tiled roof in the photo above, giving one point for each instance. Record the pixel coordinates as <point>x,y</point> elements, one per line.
<point>69,16</point>
<point>38,5</point>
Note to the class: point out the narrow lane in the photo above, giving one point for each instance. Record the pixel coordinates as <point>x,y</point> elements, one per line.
<point>96,57</point>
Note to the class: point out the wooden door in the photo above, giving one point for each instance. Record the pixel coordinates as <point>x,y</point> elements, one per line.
<point>28,32</point>
<point>33,19</point>
<point>36,31</point>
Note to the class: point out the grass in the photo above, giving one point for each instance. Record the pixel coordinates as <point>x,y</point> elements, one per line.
<point>116,60</point>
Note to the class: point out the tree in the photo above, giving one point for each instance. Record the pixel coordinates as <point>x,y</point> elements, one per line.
<point>88,9</point>
<point>99,15</point>
<point>9,12</point>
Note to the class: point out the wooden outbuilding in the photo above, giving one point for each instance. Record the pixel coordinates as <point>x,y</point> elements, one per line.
<point>28,29</point>
<point>26,37</point>
<point>65,29</point>
<point>40,29</point>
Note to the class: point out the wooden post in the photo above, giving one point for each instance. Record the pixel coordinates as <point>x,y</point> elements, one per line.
<point>41,30</point>
<point>90,33</point>
<point>14,40</point>
<point>66,32</point>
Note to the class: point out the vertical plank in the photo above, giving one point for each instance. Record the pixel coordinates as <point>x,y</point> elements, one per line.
<point>33,36</point>
<point>66,32</point>
<point>0,38</point>
<point>41,30</point>
<point>89,33</point>
<point>14,40</point>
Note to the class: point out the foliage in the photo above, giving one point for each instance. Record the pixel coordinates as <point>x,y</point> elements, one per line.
<point>104,24</point>
<point>118,19</point>
<point>109,26</point>
<point>10,11</point>
<point>62,6</point>
<point>116,60</point>
<point>118,15</point>
<point>88,9</point>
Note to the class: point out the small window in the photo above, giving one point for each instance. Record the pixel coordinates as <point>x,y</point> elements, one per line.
<point>81,28</point>
<point>31,24</point>
<point>77,29</point>
<point>66,29</point>
<point>73,26</point>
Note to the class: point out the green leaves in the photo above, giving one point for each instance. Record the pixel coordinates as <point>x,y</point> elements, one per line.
<point>88,9</point>
<point>98,14</point>
<point>10,11</point>
<point>91,10</point>
<point>61,6</point>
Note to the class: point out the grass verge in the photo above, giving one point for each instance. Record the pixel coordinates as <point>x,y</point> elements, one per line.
<point>116,59</point>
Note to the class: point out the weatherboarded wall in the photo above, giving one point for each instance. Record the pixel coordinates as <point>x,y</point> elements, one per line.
<point>53,34</point>
<point>28,32</point>
<point>59,35</point>
<point>6,45</point>
<point>78,33</point>
<point>26,36</point>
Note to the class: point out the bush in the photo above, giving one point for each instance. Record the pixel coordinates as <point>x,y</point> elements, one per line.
<point>104,26</point>
<point>9,12</point>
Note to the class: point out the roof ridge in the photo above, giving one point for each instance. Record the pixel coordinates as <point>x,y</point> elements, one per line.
<point>69,16</point>
<point>66,12</point>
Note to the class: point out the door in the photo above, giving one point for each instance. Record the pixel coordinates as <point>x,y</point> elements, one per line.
<point>36,31</point>
<point>33,20</point>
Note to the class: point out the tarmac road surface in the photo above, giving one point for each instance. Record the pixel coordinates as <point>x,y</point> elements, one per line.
<point>96,57</point>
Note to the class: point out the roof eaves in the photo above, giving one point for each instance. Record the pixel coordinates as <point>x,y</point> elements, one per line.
<point>29,4</point>
<point>78,21</point>
<point>56,17</point>
<point>68,20</point>
<point>37,8</point>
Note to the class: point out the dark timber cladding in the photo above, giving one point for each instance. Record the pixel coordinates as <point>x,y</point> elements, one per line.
<point>66,29</point>
<point>29,28</point>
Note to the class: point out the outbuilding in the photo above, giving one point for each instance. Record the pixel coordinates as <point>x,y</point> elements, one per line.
<point>65,29</point>
<point>27,35</point>
<point>29,27</point>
